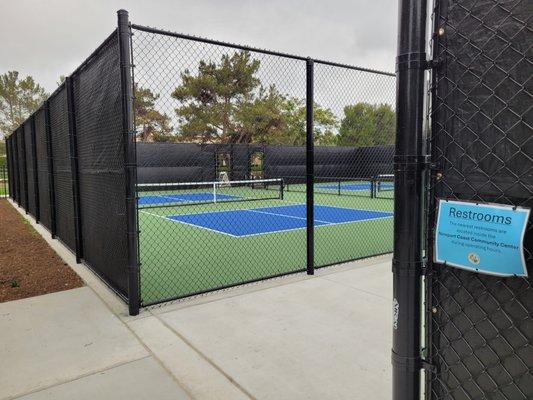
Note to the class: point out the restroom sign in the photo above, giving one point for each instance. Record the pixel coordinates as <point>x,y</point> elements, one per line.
<point>486,238</point>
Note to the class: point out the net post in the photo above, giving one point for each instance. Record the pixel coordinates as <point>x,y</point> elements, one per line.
<point>50,161</point>
<point>35,170</point>
<point>309,146</point>
<point>74,170</point>
<point>130,161</point>
<point>408,197</point>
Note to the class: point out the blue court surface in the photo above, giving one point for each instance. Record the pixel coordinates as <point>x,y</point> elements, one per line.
<point>182,198</point>
<point>257,221</point>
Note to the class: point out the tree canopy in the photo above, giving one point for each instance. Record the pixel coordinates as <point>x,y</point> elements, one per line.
<point>153,126</point>
<point>19,98</point>
<point>367,125</point>
<point>225,102</point>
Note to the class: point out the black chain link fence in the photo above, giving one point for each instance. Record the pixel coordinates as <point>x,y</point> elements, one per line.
<point>224,163</point>
<point>479,327</point>
<point>227,190</point>
<point>67,165</point>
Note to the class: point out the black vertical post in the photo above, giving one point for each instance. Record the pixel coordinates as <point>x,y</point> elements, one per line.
<point>50,162</point>
<point>130,161</point>
<point>408,200</point>
<point>35,170</point>
<point>74,170</point>
<point>310,166</point>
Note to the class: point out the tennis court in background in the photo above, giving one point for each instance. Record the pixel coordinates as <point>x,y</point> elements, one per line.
<point>216,234</point>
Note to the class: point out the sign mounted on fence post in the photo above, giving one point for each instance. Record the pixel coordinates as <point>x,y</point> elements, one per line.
<point>486,238</point>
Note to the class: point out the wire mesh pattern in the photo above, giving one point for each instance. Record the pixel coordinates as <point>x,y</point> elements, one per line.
<point>64,198</point>
<point>68,165</point>
<point>42,168</point>
<point>21,155</point>
<point>30,167</point>
<point>209,112</point>
<point>361,150</point>
<point>100,148</point>
<point>480,332</point>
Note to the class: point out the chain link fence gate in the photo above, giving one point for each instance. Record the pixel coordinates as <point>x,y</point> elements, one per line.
<point>478,329</point>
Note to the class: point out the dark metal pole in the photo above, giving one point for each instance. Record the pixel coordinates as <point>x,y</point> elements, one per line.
<point>35,170</point>
<point>409,166</point>
<point>50,160</point>
<point>74,170</point>
<point>310,162</point>
<point>130,161</point>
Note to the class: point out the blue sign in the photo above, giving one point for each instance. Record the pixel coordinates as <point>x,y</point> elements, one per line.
<point>486,238</point>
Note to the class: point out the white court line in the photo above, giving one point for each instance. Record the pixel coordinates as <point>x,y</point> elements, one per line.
<point>284,215</point>
<point>188,223</point>
<point>263,233</point>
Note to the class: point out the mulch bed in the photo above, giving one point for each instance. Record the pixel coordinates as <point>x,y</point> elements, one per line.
<point>28,266</point>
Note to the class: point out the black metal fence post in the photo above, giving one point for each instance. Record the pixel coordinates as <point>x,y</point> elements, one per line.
<point>124,37</point>
<point>74,171</point>
<point>310,162</point>
<point>409,164</point>
<point>50,161</point>
<point>36,170</point>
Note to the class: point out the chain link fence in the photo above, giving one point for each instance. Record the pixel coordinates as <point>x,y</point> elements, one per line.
<point>246,164</point>
<point>67,163</point>
<point>479,328</point>
<point>234,150</point>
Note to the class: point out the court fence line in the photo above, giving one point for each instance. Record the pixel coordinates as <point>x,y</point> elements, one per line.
<point>78,164</point>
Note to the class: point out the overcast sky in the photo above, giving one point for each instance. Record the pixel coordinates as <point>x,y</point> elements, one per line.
<point>50,38</point>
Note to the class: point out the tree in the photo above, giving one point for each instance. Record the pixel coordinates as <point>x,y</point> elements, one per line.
<point>367,125</point>
<point>225,103</point>
<point>154,126</point>
<point>18,99</point>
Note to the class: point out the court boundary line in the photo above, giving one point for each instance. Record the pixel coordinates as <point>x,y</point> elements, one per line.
<point>325,223</point>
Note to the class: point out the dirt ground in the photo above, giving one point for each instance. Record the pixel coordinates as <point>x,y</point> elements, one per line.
<point>28,266</point>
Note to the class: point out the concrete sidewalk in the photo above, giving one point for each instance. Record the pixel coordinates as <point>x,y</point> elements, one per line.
<point>298,337</point>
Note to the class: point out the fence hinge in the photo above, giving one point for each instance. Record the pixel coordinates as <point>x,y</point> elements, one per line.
<point>432,64</point>
<point>427,366</point>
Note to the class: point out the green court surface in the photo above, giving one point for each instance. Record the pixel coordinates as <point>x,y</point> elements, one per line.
<point>179,259</point>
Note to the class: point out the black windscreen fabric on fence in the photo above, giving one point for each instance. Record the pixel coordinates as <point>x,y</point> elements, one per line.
<point>480,335</point>
<point>30,167</point>
<point>42,168</point>
<point>64,198</point>
<point>97,99</point>
<point>21,154</point>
